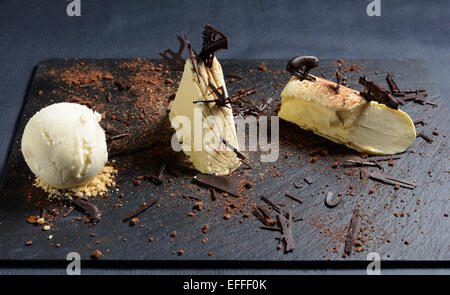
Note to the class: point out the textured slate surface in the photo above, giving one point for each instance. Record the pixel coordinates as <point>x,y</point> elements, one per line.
<point>241,239</point>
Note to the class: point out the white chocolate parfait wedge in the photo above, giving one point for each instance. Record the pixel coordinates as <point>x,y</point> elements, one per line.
<point>203,125</point>
<point>346,117</point>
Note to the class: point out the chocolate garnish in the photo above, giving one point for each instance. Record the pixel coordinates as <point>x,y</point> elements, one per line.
<point>419,121</point>
<point>222,99</point>
<point>373,91</point>
<point>213,194</point>
<point>330,202</point>
<point>385,158</point>
<point>213,40</point>
<point>351,232</point>
<point>426,138</point>
<point>308,180</point>
<point>387,179</point>
<point>338,76</point>
<point>88,208</point>
<point>270,227</point>
<point>351,163</point>
<point>264,211</point>
<point>192,56</point>
<point>294,198</point>
<point>300,66</point>
<point>228,184</point>
<point>273,205</point>
<point>176,60</point>
<point>392,85</point>
<point>286,230</point>
<point>144,207</point>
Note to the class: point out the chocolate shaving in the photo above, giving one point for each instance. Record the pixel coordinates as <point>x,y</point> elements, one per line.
<point>213,40</point>
<point>193,57</point>
<point>273,205</point>
<point>235,76</point>
<point>264,211</point>
<point>144,207</point>
<point>373,91</point>
<point>351,163</point>
<point>228,184</point>
<point>213,194</point>
<point>330,202</point>
<point>338,76</point>
<point>392,85</point>
<point>387,179</point>
<point>419,121</point>
<point>88,208</point>
<point>176,61</point>
<point>308,180</point>
<point>351,232</point>
<point>385,158</point>
<point>286,232</point>
<point>86,85</point>
<point>426,138</point>
<point>192,197</point>
<point>294,198</point>
<point>270,227</point>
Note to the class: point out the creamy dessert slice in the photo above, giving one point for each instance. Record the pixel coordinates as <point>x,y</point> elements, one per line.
<point>346,117</point>
<point>210,123</point>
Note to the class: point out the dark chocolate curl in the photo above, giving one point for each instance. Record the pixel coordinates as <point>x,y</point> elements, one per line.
<point>213,40</point>
<point>300,66</point>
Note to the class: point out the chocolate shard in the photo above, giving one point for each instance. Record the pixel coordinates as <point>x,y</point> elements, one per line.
<point>425,137</point>
<point>330,202</point>
<point>388,179</point>
<point>294,198</point>
<point>193,56</point>
<point>375,92</point>
<point>213,40</point>
<point>140,210</point>
<point>175,60</point>
<point>88,208</point>
<point>338,76</point>
<point>392,85</point>
<point>351,232</point>
<point>228,184</point>
<point>286,230</point>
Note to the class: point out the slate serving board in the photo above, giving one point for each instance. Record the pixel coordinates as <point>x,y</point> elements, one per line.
<point>319,236</point>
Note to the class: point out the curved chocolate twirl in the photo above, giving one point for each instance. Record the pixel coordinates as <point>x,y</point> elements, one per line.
<point>300,66</point>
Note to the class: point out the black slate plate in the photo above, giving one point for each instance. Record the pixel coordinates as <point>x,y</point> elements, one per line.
<point>424,225</point>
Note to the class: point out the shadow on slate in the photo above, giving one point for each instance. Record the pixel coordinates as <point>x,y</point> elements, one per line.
<point>230,240</point>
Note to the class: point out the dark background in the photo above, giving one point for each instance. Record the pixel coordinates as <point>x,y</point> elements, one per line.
<point>32,31</point>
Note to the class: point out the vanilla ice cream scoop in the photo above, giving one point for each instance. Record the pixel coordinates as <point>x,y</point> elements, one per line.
<point>64,145</point>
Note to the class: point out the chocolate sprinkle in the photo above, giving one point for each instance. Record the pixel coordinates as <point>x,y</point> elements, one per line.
<point>351,232</point>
